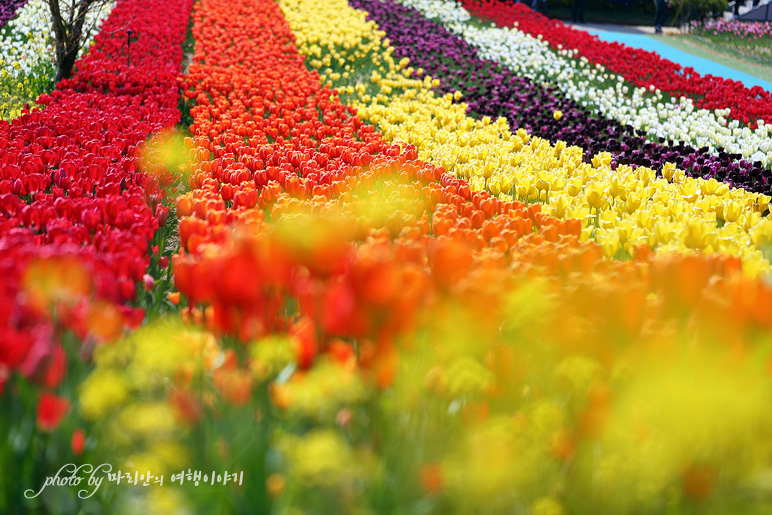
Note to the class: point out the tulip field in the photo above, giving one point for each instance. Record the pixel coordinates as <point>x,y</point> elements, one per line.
<point>378,256</point>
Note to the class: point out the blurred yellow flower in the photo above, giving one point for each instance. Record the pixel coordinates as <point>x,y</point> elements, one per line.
<point>322,459</point>
<point>147,419</point>
<point>101,391</point>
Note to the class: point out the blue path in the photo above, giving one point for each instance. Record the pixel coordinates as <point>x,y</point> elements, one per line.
<point>700,65</point>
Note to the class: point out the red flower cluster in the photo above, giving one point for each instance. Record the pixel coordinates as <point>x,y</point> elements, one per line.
<point>640,67</point>
<point>76,212</point>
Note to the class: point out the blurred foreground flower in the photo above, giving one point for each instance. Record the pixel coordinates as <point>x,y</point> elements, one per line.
<point>51,410</point>
<point>168,158</point>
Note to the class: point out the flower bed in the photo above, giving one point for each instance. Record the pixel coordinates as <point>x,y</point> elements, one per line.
<point>79,219</point>
<point>605,94</point>
<point>493,91</point>
<point>748,39</point>
<point>640,67</point>
<point>388,301</point>
<point>516,166</point>
<point>367,332</point>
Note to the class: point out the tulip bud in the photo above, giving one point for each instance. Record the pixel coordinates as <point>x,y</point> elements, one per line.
<point>18,188</point>
<point>162,214</point>
<point>78,442</point>
<point>148,282</point>
<point>91,218</point>
<point>51,411</point>
<point>127,289</point>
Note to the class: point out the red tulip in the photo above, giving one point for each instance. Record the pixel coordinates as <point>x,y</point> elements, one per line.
<point>51,411</point>
<point>78,442</point>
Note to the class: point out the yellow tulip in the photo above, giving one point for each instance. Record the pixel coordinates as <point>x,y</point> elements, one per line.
<point>595,196</point>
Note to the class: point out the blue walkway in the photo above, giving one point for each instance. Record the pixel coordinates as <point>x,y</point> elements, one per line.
<point>700,65</point>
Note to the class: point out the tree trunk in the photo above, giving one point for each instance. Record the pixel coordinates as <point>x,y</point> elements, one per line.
<point>68,34</point>
<point>65,62</point>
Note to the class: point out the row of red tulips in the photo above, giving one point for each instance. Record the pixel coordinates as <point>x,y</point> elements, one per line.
<point>81,224</point>
<point>74,204</point>
<point>640,67</point>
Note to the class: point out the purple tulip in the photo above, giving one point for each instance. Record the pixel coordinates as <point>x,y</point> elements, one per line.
<point>8,9</point>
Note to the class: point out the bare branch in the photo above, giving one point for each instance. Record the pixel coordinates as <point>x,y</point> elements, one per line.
<point>56,17</point>
<point>69,20</point>
<point>71,12</point>
<point>90,28</point>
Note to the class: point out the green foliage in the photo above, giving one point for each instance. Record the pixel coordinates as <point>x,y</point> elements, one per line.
<point>687,9</point>
<point>17,90</point>
<point>608,6</point>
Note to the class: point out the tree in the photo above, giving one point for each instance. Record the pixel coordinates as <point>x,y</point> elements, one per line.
<point>71,25</point>
<point>686,10</point>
